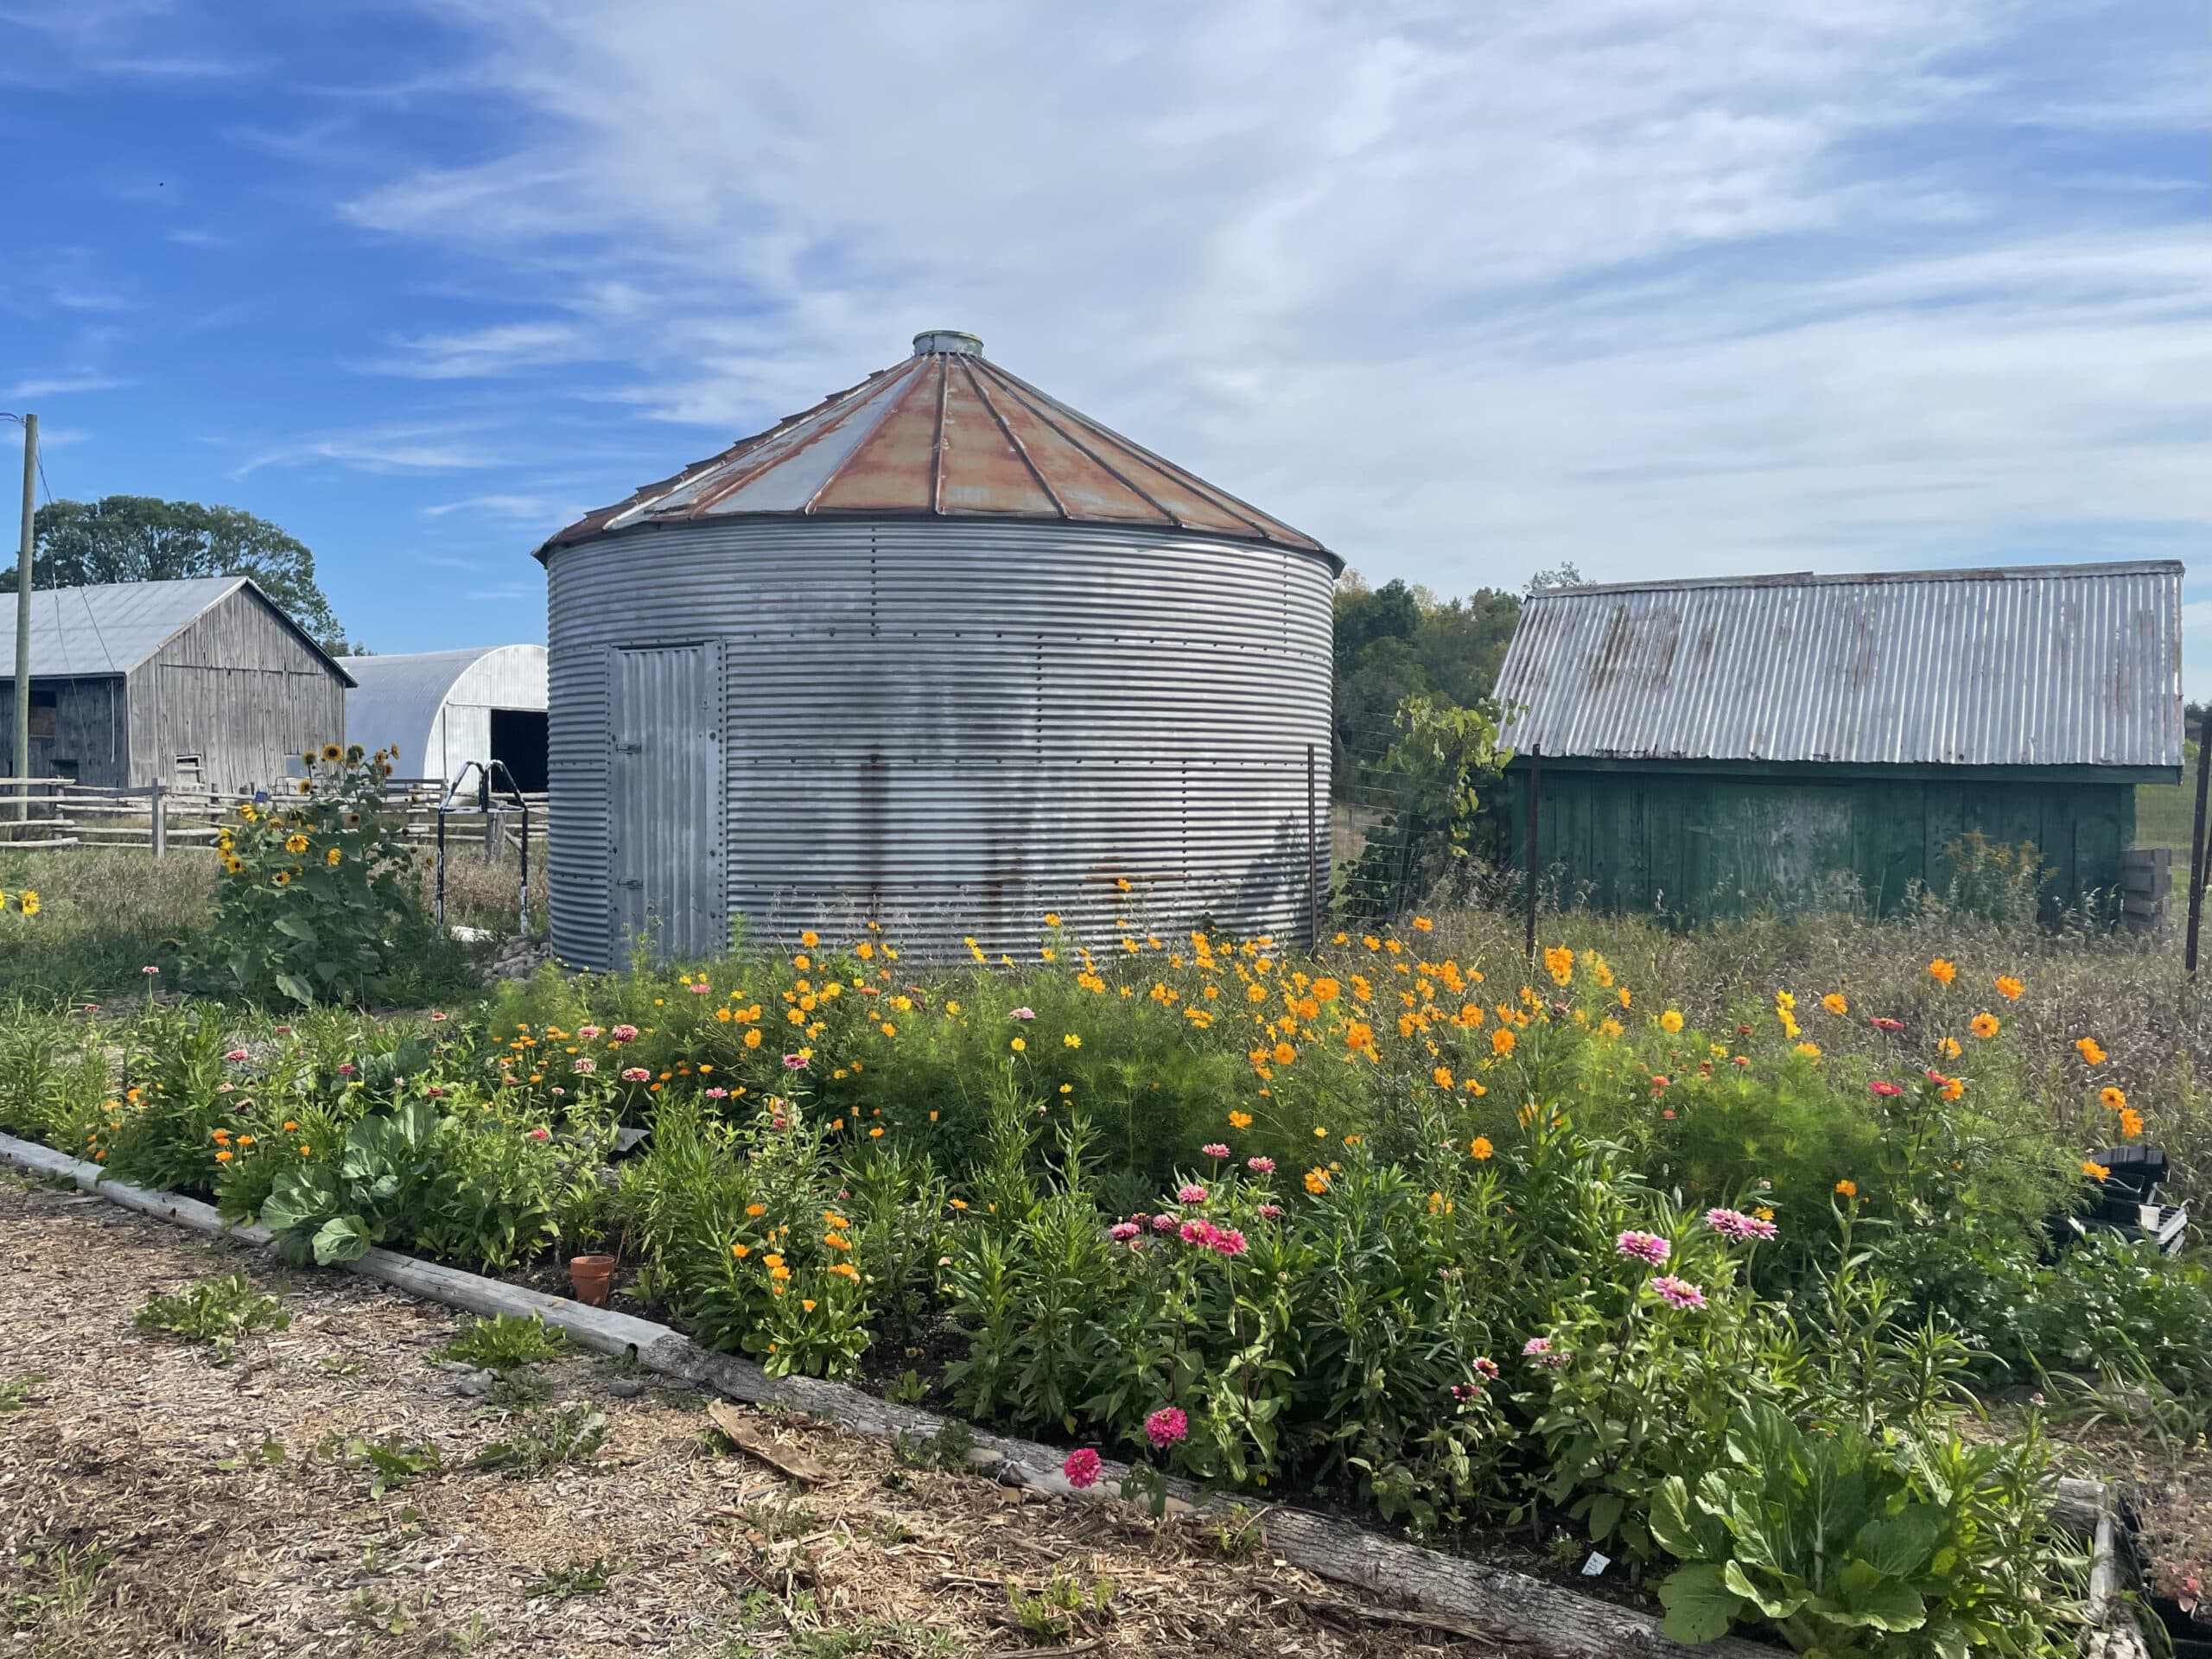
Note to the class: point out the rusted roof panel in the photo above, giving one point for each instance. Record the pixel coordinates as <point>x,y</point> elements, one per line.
<point>2029,665</point>
<point>946,433</point>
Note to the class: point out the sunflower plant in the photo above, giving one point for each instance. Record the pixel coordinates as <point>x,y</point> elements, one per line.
<point>311,905</point>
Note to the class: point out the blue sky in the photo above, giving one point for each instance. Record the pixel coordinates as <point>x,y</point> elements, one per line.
<point>1466,291</point>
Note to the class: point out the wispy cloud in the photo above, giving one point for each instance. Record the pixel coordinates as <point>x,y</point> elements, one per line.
<point>504,349</point>
<point>550,511</point>
<point>385,449</point>
<point>60,386</point>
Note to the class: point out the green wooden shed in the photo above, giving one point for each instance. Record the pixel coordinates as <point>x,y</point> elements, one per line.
<point>1718,746</point>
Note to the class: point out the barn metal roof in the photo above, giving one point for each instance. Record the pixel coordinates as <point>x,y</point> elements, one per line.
<point>2072,665</point>
<point>949,434</point>
<point>111,629</point>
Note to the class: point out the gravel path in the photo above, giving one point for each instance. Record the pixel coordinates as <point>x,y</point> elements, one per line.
<point>155,1502</point>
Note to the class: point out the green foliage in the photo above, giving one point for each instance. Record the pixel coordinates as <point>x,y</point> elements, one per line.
<point>140,538</point>
<point>392,1462</point>
<point>217,1312</point>
<point>1440,753</point>
<point>543,1441</point>
<point>579,1579</point>
<point>1854,1549</point>
<point>1064,1607</point>
<point>313,904</point>
<point>1396,642</point>
<point>1996,881</point>
<point>505,1342</point>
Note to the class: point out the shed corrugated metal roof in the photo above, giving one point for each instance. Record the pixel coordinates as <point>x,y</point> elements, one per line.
<point>397,699</point>
<point>2076,664</point>
<point>111,629</point>
<point>948,433</point>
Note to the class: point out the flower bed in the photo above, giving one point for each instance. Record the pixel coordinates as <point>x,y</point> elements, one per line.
<point>1703,1289</point>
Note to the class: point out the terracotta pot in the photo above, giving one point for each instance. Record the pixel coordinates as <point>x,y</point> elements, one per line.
<point>592,1276</point>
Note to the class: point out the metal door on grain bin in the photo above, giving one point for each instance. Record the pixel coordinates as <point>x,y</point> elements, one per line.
<point>665,787</point>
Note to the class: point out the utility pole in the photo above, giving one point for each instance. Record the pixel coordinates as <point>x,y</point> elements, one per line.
<point>22,752</point>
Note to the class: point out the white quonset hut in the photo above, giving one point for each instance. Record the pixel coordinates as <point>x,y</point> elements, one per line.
<point>943,653</point>
<point>445,709</point>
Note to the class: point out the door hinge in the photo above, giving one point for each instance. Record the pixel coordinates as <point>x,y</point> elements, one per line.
<point>630,881</point>
<point>629,748</point>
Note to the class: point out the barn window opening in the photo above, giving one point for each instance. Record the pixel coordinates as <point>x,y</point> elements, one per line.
<point>519,740</point>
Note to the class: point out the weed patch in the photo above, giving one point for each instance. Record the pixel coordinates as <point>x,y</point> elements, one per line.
<point>217,1312</point>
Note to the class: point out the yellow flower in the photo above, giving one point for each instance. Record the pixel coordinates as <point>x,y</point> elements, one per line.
<point>1623,994</point>
<point>1423,924</point>
<point>1051,919</point>
<point>772,1260</point>
<point>1608,1027</point>
<point>1240,1120</point>
<point>1810,1051</point>
<point>756,1210</point>
<point>1942,971</point>
<point>1670,1022</point>
<point>1317,1181</point>
<point>1558,963</point>
<point>2090,1052</point>
<point>864,951</point>
<point>28,902</point>
<point>295,842</point>
<point>1984,1026</point>
<point>876,1135</point>
<point>2111,1099</point>
<point>1949,1047</point>
<point>779,1273</point>
<point>2131,1123</point>
<point>331,751</point>
<point>1785,1002</point>
<point>1479,1149</point>
<point>805,1304</point>
<point>1849,1189</point>
<point>1017,1046</point>
<point>2095,1170</point>
<point>1443,1075</point>
<point>1952,1088</point>
<point>1071,1041</point>
<point>1763,1213</point>
<point>222,1157</point>
<point>334,858</point>
<point>1284,1054</point>
<point>753,1037</point>
<point>740,1251</point>
<point>1502,1041</point>
<point>2009,988</point>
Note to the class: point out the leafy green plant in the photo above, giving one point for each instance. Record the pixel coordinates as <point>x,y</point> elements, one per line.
<point>1063,1607</point>
<point>392,1461</point>
<point>217,1312</point>
<point>16,1393</point>
<point>545,1440</point>
<point>313,903</point>
<point>579,1579</point>
<point>1851,1548</point>
<point>505,1342</point>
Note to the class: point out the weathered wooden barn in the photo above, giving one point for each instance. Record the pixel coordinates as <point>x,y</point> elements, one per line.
<point>1714,747</point>
<point>203,684</point>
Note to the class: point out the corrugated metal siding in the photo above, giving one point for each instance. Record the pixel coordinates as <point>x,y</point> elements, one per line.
<point>2071,666</point>
<point>954,728</point>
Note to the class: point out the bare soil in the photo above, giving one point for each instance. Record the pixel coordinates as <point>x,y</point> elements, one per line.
<point>154,1501</point>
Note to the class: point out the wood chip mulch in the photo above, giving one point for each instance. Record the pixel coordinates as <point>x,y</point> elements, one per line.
<point>154,1502</point>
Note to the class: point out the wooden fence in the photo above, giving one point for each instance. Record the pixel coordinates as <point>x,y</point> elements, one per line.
<point>57,812</point>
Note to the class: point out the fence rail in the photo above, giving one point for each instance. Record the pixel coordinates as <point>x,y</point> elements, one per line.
<point>45,813</point>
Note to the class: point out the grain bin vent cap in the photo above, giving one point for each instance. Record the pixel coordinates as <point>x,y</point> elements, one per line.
<point>944,433</point>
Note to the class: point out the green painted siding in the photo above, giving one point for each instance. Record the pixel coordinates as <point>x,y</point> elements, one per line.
<point>1701,846</point>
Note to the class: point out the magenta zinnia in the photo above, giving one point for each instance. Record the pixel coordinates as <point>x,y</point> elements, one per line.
<point>1261,1166</point>
<point>1734,1223</point>
<point>1191,1192</point>
<point>1678,1292</point>
<point>1081,1467</point>
<point>1214,1149</point>
<point>1643,1247</point>
<point>1166,1426</point>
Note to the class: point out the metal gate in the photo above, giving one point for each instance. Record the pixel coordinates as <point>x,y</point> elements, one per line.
<point>665,800</point>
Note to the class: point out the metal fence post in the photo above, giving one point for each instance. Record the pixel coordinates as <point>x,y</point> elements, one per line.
<point>1313,859</point>
<point>1535,860</point>
<point>159,830</point>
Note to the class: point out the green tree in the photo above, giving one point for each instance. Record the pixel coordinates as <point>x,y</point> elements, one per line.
<point>141,538</point>
<point>1396,642</point>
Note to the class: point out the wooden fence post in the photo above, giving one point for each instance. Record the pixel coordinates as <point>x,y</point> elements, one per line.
<point>159,833</point>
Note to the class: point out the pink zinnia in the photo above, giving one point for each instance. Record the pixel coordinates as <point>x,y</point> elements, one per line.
<point>1536,1345</point>
<point>1214,1149</point>
<point>235,1055</point>
<point>1680,1291</point>
<point>1166,1426</point>
<point>795,1062</point>
<point>434,1092</point>
<point>1227,1240</point>
<point>1163,1223</point>
<point>1191,1192</point>
<point>717,1094</point>
<point>1261,1166</point>
<point>1269,1211</point>
<point>1123,1229</point>
<point>1081,1467</point>
<point>541,1134</point>
<point>699,990</point>
<point>588,1033</point>
<point>1643,1247</point>
<point>347,1069</point>
<point>1880,1024</point>
<point>1885,1088</point>
<point>1196,1232</point>
<point>625,1033</point>
<point>1486,1369</point>
<point>1734,1223</point>
<point>1021,1013</point>
<point>437,1018</point>
<point>635,1074</point>
<point>585,1067</point>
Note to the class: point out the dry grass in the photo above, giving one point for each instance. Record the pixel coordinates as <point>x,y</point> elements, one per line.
<point>156,1502</point>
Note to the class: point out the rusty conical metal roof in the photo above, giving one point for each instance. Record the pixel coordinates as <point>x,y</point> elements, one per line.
<point>947,434</point>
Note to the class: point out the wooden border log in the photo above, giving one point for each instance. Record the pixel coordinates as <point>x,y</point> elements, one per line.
<point>1531,1611</point>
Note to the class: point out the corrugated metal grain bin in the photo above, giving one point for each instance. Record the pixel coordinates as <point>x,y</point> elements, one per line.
<point>1715,747</point>
<point>942,653</point>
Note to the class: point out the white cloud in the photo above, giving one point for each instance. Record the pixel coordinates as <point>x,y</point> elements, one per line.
<point>395,448</point>
<point>60,385</point>
<point>549,512</point>
<point>1464,290</point>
